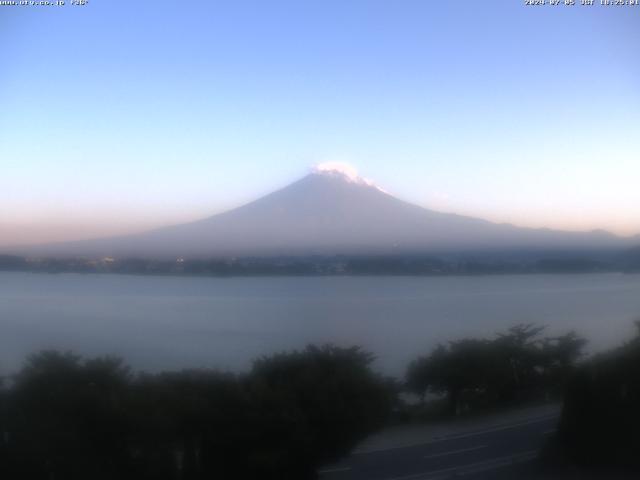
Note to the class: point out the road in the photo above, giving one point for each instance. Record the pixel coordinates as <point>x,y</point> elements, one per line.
<point>500,450</point>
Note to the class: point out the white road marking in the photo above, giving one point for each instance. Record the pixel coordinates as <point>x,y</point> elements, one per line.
<point>453,452</point>
<point>334,470</point>
<point>477,467</point>
<point>446,438</point>
<point>496,429</point>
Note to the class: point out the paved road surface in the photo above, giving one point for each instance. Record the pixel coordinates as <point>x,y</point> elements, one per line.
<point>504,450</point>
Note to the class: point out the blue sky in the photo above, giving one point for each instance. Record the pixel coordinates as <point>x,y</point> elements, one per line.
<point>122,115</point>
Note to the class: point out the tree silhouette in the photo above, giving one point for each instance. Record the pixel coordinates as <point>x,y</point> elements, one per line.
<point>73,418</point>
<point>600,418</point>
<point>514,366</point>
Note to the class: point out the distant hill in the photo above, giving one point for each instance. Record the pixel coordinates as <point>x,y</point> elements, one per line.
<point>330,212</point>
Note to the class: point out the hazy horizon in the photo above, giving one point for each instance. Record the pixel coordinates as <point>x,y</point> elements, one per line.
<point>42,233</point>
<point>307,194</point>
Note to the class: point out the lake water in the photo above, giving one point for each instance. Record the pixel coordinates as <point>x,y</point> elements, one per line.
<point>174,322</point>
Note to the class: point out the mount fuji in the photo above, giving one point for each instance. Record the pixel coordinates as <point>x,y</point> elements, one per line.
<point>330,211</point>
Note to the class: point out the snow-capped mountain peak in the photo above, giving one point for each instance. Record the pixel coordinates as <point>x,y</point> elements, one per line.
<point>343,171</point>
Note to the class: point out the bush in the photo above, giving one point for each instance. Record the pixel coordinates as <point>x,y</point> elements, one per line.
<point>516,366</point>
<point>70,418</point>
<point>600,420</point>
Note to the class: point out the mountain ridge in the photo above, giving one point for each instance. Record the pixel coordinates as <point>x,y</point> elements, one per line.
<point>329,211</point>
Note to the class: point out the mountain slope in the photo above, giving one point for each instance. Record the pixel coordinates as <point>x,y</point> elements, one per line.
<point>329,212</point>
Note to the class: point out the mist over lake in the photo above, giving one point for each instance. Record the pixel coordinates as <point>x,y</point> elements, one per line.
<point>174,322</point>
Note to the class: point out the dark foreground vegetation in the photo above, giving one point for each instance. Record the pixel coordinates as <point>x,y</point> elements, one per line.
<point>598,434</point>
<point>66,418</point>
<point>469,263</point>
<point>519,366</point>
<point>600,425</point>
